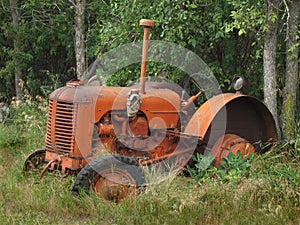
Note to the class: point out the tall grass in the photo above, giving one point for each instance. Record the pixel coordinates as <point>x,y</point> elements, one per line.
<point>268,194</point>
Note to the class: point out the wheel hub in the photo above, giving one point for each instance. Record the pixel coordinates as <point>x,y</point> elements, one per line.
<point>113,185</point>
<point>230,143</point>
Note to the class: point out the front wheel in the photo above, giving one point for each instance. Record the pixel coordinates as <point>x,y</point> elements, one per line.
<point>36,160</point>
<point>113,177</point>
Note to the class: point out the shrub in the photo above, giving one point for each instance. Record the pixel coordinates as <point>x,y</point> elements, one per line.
<point>233,167</point>
<point>25,125</point>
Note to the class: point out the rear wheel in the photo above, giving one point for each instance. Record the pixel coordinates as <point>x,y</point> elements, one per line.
<point>112,177</point>
<point>230,143</point>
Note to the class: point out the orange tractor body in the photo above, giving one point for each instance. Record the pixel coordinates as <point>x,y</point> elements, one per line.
<point>80,116</point>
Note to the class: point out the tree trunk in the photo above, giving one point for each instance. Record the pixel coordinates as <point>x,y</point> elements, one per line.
<point>292,75</point>
<point>269,59</point>
<point>79,38</point>
<point>17,64</point>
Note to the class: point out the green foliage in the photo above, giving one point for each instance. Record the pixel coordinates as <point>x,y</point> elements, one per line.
<point>205,27</point>
<point>25,125</point>
<point>287,172</point>
<point>203,167</point>
<point>227,35</point>
<point>288,122</point>
<point>234,166</point>
<point>246,16</point>
<point>45,38</point>
<point>196,25</point>
<point>231,168</point>
<point>11,137</point>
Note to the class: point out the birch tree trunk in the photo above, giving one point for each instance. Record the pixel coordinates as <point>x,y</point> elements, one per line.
<point>17,63</point>
<point>79,37</point>
<point>292,74</point>
<point>269,59</point>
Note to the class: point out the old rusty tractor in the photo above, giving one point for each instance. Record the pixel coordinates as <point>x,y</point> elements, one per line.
<point>108,135</point>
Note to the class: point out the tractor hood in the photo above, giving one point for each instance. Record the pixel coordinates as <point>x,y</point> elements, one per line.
<point>75,92</point>
<point>157,102</point>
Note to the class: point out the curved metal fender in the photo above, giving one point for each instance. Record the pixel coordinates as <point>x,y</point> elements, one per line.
<point>233,113</point>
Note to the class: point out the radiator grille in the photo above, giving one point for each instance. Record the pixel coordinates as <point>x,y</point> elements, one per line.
<point>61,123</point>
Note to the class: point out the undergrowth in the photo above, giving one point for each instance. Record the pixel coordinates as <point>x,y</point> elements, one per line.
<point>263,189</point>
<point>24,127</point>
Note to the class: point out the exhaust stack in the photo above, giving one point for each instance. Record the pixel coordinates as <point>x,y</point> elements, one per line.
<point>147,24</point>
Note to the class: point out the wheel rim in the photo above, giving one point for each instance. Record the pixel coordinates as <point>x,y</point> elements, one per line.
<point>35,160</point>
<point>230,143</point>
<point>114,184</point>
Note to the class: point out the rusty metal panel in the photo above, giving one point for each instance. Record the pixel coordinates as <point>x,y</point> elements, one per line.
<point>60,127</point>
<point>233,114</point>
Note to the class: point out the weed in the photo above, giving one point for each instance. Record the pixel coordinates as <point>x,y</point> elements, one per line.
<point>234,166</point>
<point>231,168</point>
<point>25,126</point>
<point>11,137</point>
<point>203,167</point>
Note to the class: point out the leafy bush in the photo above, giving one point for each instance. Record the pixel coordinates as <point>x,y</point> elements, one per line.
<point>234,166</point>
<point>231,168</point>
<point>203,167</point>
<point>25,124</point>
<point>10,137</point>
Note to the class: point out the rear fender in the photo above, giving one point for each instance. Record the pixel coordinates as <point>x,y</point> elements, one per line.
<point>233,113</point>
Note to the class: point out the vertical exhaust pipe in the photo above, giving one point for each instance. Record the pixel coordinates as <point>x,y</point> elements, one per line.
<point>147,24</point>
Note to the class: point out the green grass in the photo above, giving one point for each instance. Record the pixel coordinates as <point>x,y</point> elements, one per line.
<point>269,194</point>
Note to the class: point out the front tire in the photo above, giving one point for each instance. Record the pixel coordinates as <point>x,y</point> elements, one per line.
<point>113,177</point>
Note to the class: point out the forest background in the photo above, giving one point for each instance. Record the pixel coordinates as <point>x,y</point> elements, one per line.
<point>45,43</point>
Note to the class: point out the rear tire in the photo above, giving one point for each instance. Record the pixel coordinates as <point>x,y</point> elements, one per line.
<point>113,177</point>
